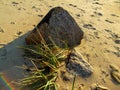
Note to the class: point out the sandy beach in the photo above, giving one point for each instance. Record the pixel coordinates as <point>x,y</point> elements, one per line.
<point>99,19</point>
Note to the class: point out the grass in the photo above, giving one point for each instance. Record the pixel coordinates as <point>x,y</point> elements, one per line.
<point>73,82</point>
<point>46,73</point>
<point>46,60</point>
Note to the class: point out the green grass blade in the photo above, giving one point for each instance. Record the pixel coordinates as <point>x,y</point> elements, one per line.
<point>73,82</point>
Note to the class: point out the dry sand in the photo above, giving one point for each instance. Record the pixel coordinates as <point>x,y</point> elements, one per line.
<point>99,19</point>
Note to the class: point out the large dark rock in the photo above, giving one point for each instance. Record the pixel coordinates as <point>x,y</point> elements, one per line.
<point>76,64</point>
<point>57,26</point>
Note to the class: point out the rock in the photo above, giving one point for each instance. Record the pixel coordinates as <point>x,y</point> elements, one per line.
<point>78,15</point>
<point>59,27</point>
<point>109,21</point>
<point>19,32</point>
<point>81,87</point>
<point>12,23</point>
<point>114,67</point>
<point>117,41</point>
<point>89,26</point>
<point>115,73</point>
<point>35,37</point>
<point>40,15</point>
<point>116,76</point>
<point>76,64</point>
<point>114,15</point>
<point>15,3</point>
<point>98,87</point>
<point>97,13</point>
<point>1,30</point>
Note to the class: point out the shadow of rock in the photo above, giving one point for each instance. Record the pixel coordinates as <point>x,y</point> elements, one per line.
<point>11,62</point>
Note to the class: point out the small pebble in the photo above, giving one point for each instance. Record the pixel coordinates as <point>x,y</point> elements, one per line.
<point>33,7</point>
<point>109,21</point>
<point>117,41</point>
<point>1,30</point>
<point>98,87</point>
<point>116,76</point>
<point>114,15</point>
<point>64,76</point>
<point>19,8</point>
<point>50,6</point>
<point>78,15</point>
<point>19,33</point>
<point>12,23</point>
<point>40,15</point>
<point>89,26</point>
<point>15,3</point>
<point>99,14</point>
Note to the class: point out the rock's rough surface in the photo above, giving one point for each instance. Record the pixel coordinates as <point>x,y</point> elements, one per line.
<point>58,26</point>
<point>35,36</point>
<point>78,65</point>
<point>98,87</point>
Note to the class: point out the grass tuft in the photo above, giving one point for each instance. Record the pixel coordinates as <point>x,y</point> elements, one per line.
<point>46,60</point>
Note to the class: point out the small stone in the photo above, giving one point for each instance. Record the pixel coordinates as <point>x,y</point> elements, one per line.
<point>114,35</point>
<point>99,14</point>
<point>1,30</point>
<point>98,87</point>
<point>89,26</point>
<point>115,73</point>
<point>117,41</point>
<point>92,15</point>
<point>33,7</point>
<point>40,15</point>
<point>114,67</point>
<point>97,3</point>
<point>65,76</point>
<point>117,53</point>
<point>81,87</point>
<point>19,8</point>
<point>19,33</point>
<point>114,15</point>
<point>50,6</point>
<point>78,65</point>
<point>15,3</point>
<point>12,23</point>
<point>116,76</point>
<point>73,5</point>
<point>78,15</point>
<point>107,30</point>
<point>109,21</point>
<point>96,35</point>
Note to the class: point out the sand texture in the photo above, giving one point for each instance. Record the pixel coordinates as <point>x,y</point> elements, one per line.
<point>99,19</point>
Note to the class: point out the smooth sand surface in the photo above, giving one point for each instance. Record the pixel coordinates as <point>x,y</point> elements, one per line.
<point>99,19</point>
